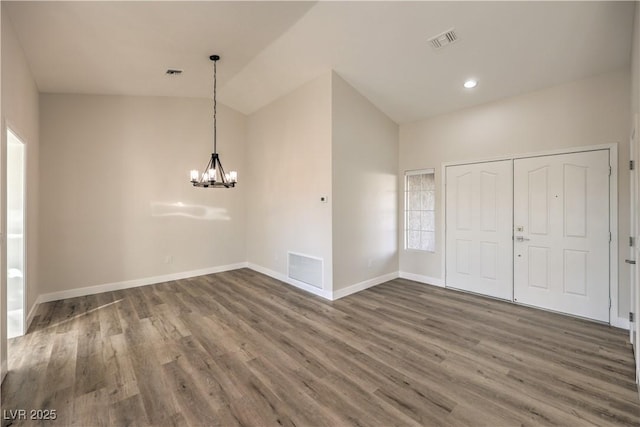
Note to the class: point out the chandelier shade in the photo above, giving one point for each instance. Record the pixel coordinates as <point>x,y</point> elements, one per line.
<point>214,175</point>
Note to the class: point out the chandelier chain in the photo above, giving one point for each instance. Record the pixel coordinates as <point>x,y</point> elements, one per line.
<point>215,106</point>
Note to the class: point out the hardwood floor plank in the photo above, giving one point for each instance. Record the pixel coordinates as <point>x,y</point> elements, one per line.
<point>160,406</point>
<point>470,415</point>
<point>109,319</point>
<point>120,378</point>
<point>62,401</point>
<point>305,409</point>
<point>151,295</point>
<point>90,409</point>
<point>61,370</point>
<point>140,303</point>
<point>126,313</point>
<point>241,349</point>
<point>513,395</point>
<point>194,405</point>
<point>128,412</point>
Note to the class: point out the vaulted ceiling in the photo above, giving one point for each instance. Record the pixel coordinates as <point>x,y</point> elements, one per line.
<point>270,48</point>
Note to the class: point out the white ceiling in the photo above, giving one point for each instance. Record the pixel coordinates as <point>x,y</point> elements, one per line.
<point>270,48</point>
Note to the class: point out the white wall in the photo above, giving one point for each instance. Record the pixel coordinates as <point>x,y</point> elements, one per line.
<point>288,170</point>
<point>20,113</point>
<point>116,192</point>
<point>364,156</point>
<point>587,112</point>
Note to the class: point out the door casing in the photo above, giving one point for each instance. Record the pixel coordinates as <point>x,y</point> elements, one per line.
<point>634,328</point>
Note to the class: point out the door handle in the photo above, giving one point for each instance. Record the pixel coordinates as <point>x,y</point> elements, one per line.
<point>630,261</point>
<point>521,239</point>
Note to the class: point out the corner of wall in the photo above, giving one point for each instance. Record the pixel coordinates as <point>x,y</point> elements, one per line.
<point>289,144</point>
<point>364,175</point>
<point>19,110</point>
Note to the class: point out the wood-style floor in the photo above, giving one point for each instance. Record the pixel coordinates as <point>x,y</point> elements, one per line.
<point>239,348</point>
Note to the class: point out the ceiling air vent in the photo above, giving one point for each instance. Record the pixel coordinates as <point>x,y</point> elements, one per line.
<point>443,39</point>
<point>173,72</point>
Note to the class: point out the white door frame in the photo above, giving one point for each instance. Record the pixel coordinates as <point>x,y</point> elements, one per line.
<point>9,128</point>
<point>633,232</point>
<point>614,319</point>
<point>634,142</point>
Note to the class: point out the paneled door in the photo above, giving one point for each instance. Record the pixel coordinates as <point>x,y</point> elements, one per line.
<point>479,246</point>
<point>561,233</point>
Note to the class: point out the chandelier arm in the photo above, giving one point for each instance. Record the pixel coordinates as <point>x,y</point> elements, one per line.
<point>206,170</point>
<point>223,177</point>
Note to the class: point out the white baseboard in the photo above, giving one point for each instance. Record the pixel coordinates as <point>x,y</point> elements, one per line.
<point>284,278</point>
<point>340,293</point>
<point>116,286</point>
<point>321,292</point>
<point>3,370</point>
<point>422,279</point>
<point>620,322</point>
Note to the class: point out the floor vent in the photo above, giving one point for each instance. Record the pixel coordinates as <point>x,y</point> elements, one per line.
<point>306,269</point>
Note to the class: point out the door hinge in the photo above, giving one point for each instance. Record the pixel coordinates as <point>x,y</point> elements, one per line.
<point>610,171</point>
<point>631,165</point>
<point>610,237</point>
<point>630,317</point>
<point>631,242</point>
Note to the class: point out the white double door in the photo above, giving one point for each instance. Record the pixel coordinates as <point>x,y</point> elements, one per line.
<point>532,230</point>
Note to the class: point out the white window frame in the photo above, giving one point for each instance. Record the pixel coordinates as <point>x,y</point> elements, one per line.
<point>405,230</point>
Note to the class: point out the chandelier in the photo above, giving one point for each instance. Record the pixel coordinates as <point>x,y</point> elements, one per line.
<point>214,175</point>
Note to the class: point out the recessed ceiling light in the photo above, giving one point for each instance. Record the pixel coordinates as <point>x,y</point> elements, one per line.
<point>470,84</point>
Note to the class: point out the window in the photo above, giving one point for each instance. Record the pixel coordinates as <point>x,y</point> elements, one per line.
<point>419,203</point>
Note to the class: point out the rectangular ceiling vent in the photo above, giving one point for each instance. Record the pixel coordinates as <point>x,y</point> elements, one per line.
<point>306,269</point>
<point>443,39</point>
<point>173,72</point>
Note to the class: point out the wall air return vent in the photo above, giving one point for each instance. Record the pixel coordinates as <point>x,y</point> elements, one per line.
<point>443,39</point>
<point>306,269</point>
